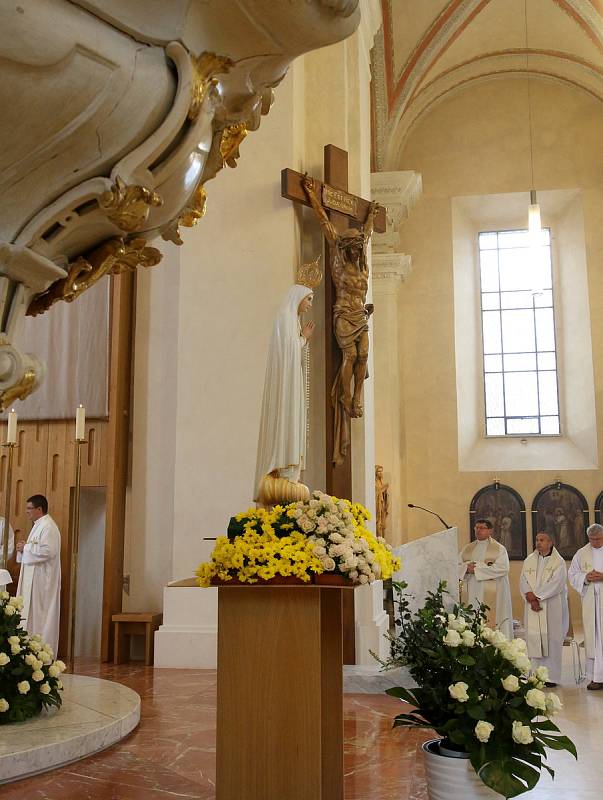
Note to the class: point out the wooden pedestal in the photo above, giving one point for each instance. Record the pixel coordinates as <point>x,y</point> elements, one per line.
<point>280,693</point>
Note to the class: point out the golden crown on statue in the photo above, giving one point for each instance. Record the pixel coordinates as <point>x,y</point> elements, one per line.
<point>310,274</point>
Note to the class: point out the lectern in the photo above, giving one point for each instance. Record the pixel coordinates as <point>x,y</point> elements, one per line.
<point>280,692</point>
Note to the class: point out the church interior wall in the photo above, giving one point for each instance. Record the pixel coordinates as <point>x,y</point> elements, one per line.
<point>476,142</point>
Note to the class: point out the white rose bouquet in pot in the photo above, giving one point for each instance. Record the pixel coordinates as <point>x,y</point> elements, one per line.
<point>474,689</point>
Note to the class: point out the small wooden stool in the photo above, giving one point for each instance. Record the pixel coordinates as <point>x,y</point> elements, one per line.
<point>144,623</point>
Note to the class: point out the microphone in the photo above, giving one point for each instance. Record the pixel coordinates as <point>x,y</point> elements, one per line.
<point>445,524</point>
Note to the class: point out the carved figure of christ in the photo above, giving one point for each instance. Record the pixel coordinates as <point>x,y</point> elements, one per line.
<point>346,315</point>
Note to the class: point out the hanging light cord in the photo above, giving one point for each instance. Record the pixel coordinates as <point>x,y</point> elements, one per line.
<point>529,98</point>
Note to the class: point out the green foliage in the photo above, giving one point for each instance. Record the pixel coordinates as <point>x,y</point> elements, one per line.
<point>468,675</point>
<point>29,677</point>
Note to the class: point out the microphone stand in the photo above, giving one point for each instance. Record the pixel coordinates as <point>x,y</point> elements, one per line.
<point>444,523</point>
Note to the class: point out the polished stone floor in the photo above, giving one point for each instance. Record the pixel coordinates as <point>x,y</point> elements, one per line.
<point>171,754</point>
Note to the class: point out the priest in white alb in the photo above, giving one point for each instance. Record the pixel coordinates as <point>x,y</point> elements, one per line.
<point>40,576</point>
<point>543,585</point>
<point>484,572</point>
<point>586,577</point>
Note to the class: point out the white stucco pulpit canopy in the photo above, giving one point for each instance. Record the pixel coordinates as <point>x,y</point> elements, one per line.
<point>115,113</point>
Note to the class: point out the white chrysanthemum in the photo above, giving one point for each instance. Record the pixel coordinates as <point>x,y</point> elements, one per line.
<point>363,578</point>
<point>522,733</point>
<point>458,691</point>
<point>483,730</point>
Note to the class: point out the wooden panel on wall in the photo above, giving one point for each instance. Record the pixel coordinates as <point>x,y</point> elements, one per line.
<point>44,464</point>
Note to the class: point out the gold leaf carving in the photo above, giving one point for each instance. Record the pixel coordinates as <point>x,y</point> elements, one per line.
<point>112,257</point>
<point>195,209</point>
<point>310,274</point>
<point>19,391</point>
<point>128,206</point>
<point>232,136</point>
<point>205,68</point>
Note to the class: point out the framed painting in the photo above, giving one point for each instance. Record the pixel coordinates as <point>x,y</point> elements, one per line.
<point>561,511</point>
<point>505,509</point>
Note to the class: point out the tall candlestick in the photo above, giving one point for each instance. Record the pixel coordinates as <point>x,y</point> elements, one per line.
<point>11,433</point>
<point>80,423</point>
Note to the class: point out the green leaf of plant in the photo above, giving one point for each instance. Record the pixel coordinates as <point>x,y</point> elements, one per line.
<point>403,694</point>
<point>466,660</point>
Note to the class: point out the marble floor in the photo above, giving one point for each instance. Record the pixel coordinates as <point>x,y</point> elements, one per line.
<point>171,754</point>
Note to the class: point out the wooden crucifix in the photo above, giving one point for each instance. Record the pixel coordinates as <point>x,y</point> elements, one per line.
<point>348,222</point>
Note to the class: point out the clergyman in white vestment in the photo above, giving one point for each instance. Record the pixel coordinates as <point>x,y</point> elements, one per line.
<point>585,575</point>
<point>543,585</point>
<point>40,576</point>
<point>11,547</point>
<point>484,571</point>
<point>282,439</point>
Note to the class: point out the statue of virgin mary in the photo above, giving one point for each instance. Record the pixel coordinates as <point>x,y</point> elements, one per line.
<point>282,440</point>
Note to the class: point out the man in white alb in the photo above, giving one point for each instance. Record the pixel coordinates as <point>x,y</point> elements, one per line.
<point>543,585</point>
<point>484,571</point>
<point>40,577</point>
<point>585,575</point>
<point>4,573</point>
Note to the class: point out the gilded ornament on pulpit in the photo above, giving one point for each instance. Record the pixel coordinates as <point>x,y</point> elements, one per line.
<point>128,206</point>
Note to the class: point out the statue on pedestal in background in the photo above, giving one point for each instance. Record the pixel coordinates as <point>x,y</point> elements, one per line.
<point>282,440</point>
<point>381,501</point>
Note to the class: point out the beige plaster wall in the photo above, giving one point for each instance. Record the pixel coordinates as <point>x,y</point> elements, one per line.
<point>477,142</point>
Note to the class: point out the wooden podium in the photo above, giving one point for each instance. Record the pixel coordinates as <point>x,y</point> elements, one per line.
<point>280,692</point>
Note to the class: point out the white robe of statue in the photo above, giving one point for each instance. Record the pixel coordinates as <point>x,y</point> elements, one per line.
<point>40,581</point>
<point>488,576</point>
<point>585,560</point>
<point>546,576</point>
<point>282,439</point>
<point>11,550</point>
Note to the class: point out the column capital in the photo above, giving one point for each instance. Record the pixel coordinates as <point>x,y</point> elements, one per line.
<point>398,192</point>
<point>390,270</point>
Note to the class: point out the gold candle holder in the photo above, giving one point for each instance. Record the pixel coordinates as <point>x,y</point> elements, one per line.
<point>74,538</point>
<point>8,489</point>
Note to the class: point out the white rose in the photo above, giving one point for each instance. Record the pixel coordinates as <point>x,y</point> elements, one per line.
<point>59,685</point>
<point>4,706</point>
<point>452,638</point>
<point>10,610</point>
<point>456,623</point>
<point>45,656</point>
<point>468,638</point>
<point>17,602</point>
<point>61,665</point>
<point>35,646</point>
<point>35,637</point>
<point>23,687</point>
<point>4,659</point>
<point>327,563</point>
<point>363,578</point>
<point>536,699</point>
<point>458,691</point>
<point>553,704</point>
<point>523,663</point>
<point>38,675</point>
<point>15,648</point>
<point>510,683</point>
<point>13,640</point>
<point>520,644</point>
<point>483,730</point>
<point>45,688</point>
<point>320,551</point>
<point>353,574</point>
<point>498,638</point>
<point>30,659</point>
<point>337,538</point>
<point>542,673</point>
<point>4,595</point>
<point>522,733</point>
<point>54,671</point>
<point>486,633</point>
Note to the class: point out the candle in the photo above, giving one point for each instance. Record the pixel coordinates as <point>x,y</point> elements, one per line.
<point>80,423</point>
<point>11,433</point>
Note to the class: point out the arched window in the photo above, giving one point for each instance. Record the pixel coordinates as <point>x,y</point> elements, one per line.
<point>505,509</point>
<point>561,511</point>
<point>599,508</point>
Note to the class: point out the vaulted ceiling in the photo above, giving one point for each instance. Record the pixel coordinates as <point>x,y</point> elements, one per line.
<point>430,48</point>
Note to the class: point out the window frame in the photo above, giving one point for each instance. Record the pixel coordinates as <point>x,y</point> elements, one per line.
<point>533,308</point>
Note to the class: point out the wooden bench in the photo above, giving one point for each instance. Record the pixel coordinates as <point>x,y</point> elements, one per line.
<point>132,623</point>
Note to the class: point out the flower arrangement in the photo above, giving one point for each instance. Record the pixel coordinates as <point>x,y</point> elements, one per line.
<point>29,675</point>
<point>475,690</point>
<point>322,534</point>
